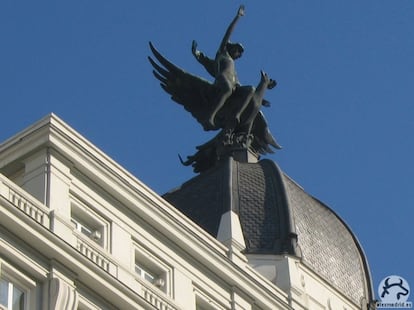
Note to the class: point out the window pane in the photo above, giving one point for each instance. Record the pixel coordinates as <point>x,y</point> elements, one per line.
<point>18,299</point>
<point>86,230</point>
<point>138,269</point>
<point>82,227</point>
<point>148,277</point>
<point>4,292</point>
<point>144,274</point>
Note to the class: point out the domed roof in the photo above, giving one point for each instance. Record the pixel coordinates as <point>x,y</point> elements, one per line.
<point>277,217</point>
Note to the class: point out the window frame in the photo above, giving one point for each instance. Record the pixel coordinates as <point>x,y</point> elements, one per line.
<point>17,279</point>
<point>204,301</point>
<point>11,288</point>
<point>84,216</point>
<point>151,265</point>
<point>144,273</point>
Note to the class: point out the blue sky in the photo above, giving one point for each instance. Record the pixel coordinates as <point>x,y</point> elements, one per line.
<point>343,108</point>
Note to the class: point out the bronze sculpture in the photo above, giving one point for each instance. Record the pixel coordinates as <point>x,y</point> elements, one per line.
<point>223,104</point>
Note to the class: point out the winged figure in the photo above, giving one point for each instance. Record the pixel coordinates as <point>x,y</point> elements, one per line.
<point>222,105</point>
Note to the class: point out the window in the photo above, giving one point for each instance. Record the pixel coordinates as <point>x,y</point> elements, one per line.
<point>205,302</point>
<point>17,290</point>
<point>152,270</point>
<point>11,296</point>
<point>88,301</point>
<point>144,274</point>
<point>89,224</point>
<point>151,276</point>
<point>88,231</point>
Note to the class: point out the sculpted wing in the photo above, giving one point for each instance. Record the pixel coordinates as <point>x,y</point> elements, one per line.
<point>262,136</point>
<point>186,89</point>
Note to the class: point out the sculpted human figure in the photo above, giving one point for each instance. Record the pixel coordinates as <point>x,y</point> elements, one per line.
<point>222,68</point>
<point>223,105</point>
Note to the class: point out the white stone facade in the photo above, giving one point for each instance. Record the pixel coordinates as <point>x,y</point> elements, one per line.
<point>77,231</point>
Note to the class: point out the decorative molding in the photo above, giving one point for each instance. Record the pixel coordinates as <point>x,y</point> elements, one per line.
<point>62,295</point>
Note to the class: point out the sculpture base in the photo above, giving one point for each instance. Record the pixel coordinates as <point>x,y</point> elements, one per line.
<point>245,156</point>
<point>226,144</point>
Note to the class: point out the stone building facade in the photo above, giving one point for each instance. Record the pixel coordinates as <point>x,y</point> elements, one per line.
<point>78,231</point>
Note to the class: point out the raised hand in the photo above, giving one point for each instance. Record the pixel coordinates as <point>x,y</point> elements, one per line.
<point>240,12</point>
<point>194,50</point>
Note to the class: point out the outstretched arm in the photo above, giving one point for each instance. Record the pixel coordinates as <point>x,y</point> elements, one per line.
<point>203,59</point>
<point>230,29</point>
<point>196,53</point>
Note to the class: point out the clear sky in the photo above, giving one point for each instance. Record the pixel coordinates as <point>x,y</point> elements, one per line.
<point>343,109</point>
